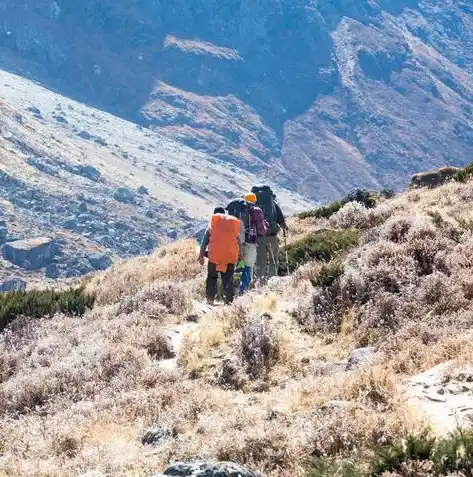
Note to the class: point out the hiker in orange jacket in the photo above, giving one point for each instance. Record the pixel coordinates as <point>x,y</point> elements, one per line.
<point>222,238</point>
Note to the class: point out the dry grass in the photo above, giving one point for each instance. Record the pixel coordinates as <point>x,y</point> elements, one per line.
<point>262,382</point>
<point>176,262</point>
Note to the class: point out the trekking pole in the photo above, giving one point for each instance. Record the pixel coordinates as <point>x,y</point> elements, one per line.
<point>285,250</point>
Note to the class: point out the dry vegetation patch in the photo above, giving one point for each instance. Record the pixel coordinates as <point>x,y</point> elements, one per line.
<point>262,382</point>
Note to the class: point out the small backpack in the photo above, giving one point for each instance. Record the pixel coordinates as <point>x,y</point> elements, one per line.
<point>244,211</point>
<point>265,201</point>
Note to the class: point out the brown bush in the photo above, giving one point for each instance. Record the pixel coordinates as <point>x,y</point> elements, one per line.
<point>176,262</point>
<point>157,299</point>
<point>258,346</point>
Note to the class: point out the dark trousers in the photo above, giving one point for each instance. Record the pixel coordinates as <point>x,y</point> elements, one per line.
<point>227,282</point>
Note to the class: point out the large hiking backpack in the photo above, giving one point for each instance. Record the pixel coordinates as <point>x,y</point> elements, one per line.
<point>223,243</point>
<point>265,201</point>
<point>241,210</point>
<point>235,208</point>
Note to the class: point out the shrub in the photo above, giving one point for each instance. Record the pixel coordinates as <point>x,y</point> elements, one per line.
<point>355,215</point>
<point>323,212</point>
<point>321,245</point>
<point>387,193</point>
<point>444,456</point>
<point>361,196</point>
<point>43,303</point>
<point>157,299</point>
<point>259,346</point>
<point>465,173</point>
<point>416,456</point>
<point>328,273</point>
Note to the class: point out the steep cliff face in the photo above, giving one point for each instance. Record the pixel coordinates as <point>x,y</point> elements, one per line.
<point>331,94</point>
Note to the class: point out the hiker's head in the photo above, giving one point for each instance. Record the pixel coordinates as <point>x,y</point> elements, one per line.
<point>219,210</point>
<point>251,198</point>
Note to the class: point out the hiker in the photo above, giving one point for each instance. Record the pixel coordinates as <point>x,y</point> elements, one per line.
<point>267,260</point>
<point>253,225</point>
<point>222,238</point>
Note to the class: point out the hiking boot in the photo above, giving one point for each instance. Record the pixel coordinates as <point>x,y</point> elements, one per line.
<point>210,301</point>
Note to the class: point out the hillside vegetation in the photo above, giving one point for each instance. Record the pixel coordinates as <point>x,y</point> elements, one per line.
<point>265,382</point>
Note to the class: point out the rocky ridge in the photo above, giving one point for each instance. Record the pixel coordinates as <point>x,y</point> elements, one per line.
<point>326,95</point>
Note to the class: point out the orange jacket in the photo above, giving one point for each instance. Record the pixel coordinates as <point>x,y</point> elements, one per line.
<point>223,245</point>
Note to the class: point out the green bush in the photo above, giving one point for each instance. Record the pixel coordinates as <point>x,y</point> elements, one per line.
<point>465,173</point>
<point>441,456</point>
<point>333,468</point>
<point>387,193</point>
<point>414,448</point>
<point>323,212</point>
<point>42,303</point>
<point>362,196</point>
<point>328,273</point>
<point>320,245</point>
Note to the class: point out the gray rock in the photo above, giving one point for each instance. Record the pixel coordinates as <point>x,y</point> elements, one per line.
<point>100,261</point>
<point>61,119</point>
<point>172,234</point>
<point>70,224</point>
<point>434,178</point>
<point>85,135</point>
<point>3,234</point>
<point>333,405</point>
<point>360,356</point>
<point>15,284</point>
<point>208,469</point>
<point>83,207</point>
<point>36,111</point>
<point>157,435</point>
<point>90,172</point>
<point>52,271</point>
<point>125,195</point>
<point>143,190</point>
<point>31,253</point>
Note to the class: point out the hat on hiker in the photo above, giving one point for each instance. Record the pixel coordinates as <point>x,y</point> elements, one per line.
<point>251,197</point>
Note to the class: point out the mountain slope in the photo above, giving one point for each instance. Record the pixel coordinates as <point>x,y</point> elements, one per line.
<point>277,381</point>
<point>329,95</point>
<point>100,184</point>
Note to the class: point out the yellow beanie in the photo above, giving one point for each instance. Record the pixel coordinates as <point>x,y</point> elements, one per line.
<point>250,198</point>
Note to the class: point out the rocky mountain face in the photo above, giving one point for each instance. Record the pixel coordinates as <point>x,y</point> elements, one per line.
<point>80,187</point>
<point>325,95</point>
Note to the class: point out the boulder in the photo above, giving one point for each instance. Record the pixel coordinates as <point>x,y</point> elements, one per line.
<point>30,253</point>
<point>125,195</point>
<point>157,435</point>
<point>83,207</point>
<point>15,284</point>
<point>434,178</point>
<point>100,261</point>
<point>52,271</point>
<point>3,234</point>
<point>85,135</point>
<point>89,172</point>
<point>208,469</point>
<point>443,397</point>
<point>143,190</point>
<point>36,111</point>
<point>360,356</point>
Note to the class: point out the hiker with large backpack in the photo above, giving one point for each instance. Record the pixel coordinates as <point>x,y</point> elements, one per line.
<point>254,225</point>
<point>222,238</point>
<point>267,260</point>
